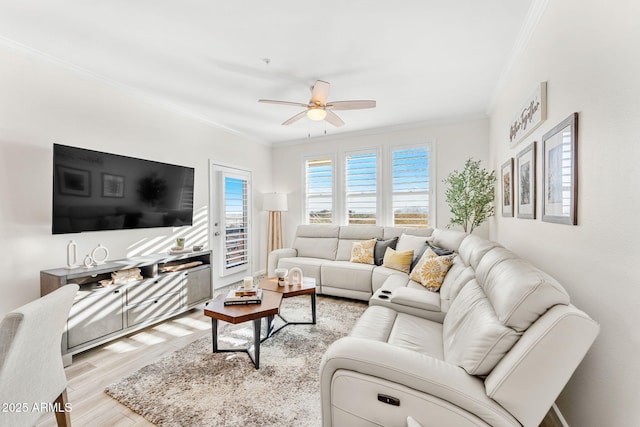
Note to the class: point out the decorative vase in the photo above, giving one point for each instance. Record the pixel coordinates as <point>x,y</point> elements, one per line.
<point>72,254</point>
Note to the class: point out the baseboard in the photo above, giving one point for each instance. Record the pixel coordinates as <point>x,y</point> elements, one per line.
<point>557,418</point>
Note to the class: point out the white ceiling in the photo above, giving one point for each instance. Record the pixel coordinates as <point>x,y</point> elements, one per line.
<point>421,60</point>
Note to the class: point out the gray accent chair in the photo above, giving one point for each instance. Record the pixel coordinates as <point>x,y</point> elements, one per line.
<point>31,371</point>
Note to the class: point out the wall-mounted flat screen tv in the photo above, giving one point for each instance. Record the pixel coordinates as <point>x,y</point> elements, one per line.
<point>95,191</point>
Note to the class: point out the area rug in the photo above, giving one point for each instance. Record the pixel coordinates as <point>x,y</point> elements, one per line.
<point>195,387</point>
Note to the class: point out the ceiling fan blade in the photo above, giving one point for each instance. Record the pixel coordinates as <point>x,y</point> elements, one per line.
<point>271,101</point>
<point>334,119</point>
<point>319,92</point>
<point>351,105</point>
<point>295,118</point>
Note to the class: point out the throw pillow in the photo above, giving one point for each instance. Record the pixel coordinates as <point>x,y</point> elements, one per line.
<point>438,250</point>
<point>396,260</point>
<point>362,252</point>
<point>431,270</point>
<point>381,248</point>
<point>417,255</point>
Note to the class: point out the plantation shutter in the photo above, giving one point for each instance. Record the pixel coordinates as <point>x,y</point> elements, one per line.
<point>361,188</point>
<point>319,191</point>
<point>236,220</point>
<point>410,187</point>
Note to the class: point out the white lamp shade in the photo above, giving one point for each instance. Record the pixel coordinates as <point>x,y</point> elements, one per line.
<point>274,202</point>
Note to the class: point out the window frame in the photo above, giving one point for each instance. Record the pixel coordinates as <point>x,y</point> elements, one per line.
<point>334,170</point>
<point>384,181</point>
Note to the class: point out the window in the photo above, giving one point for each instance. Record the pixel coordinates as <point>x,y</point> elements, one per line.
<point>361,188</point>
<point>236,222</point>
<point>319,191</point>
<point>387,185</point>
<point>410,187</point>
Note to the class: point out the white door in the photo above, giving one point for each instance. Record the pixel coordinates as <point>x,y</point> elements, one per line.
<point>230,207</point>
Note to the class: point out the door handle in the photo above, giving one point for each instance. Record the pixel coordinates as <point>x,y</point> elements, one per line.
<point>217,233</point>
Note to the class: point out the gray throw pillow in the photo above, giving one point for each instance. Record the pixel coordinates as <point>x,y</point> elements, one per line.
<point>381,247</point>
<point>439,251</point>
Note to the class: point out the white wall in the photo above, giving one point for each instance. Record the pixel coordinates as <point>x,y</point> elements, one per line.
<point>589,52</point>
<point>454,143</point>
<point>42,103</point>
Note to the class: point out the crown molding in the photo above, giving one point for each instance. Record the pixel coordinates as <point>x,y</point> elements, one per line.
<point>536,10</point>
<point>161,103</point>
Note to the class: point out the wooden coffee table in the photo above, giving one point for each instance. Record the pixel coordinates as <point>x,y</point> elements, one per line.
<point>269,307</point>
<point>307,287</point>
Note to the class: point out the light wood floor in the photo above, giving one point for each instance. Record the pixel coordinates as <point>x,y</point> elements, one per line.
<point>95,369</point>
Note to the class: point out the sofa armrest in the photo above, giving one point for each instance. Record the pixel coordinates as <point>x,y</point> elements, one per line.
<point>412,369</point>
<point>417,298</point>
<point>274,257</point>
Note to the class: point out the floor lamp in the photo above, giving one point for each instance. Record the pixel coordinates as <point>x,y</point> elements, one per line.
<point>275,204</point>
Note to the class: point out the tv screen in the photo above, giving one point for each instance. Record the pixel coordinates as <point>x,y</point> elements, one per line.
<point>95,191</point>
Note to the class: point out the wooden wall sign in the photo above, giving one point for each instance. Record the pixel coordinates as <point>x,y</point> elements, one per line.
<point>530,116</point>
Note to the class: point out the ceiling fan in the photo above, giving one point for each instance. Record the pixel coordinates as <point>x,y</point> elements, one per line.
<point>319,109</point>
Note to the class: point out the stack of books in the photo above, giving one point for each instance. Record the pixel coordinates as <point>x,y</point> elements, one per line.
<point>243,296</point>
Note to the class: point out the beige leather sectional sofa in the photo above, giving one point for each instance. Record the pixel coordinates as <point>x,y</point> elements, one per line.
<point>494,347</point>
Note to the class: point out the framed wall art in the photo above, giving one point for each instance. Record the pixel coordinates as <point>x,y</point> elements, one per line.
<point>506,172</point>
<point>560,172</point>
<point>526,179</point>
<point>112,185</point>
<point>529,116</point>
<point>73,182</point>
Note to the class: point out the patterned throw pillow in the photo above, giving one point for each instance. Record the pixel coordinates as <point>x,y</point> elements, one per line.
<point>397,260</point>
<point>362,252</point>
<point>431,270</point>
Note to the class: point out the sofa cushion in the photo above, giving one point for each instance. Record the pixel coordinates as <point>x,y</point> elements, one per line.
<point>418,298</point>
<point>381,274</point>
<point>347,275</point>
<point>492,258</point>
<point>473,248</point>
<point>389,232</point>
<point>392,281</point>
<point>362,252</point>
<point>474,338</point>
<point>360,232</point>
<point>407,242</point>
<point>458,276</point>
<point>318,230</point>
<point>417,334</point>
<point>431,270</point>
<point>519,306</point>
<point>397,260</point>
<point>381,247</point>
<point>374,324</point>
<point>353,234</point>
<point>448,239</point>
<point>316,247</point>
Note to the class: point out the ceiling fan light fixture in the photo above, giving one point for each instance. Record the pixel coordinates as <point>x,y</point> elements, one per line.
<point>316,113</point>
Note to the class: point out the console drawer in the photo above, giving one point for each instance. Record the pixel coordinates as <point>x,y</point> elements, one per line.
<point>94,315</point>
<point>153,309</point>
<point>152,289</point>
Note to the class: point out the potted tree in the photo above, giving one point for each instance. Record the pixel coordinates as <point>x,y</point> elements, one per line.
<point>470,194</point>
